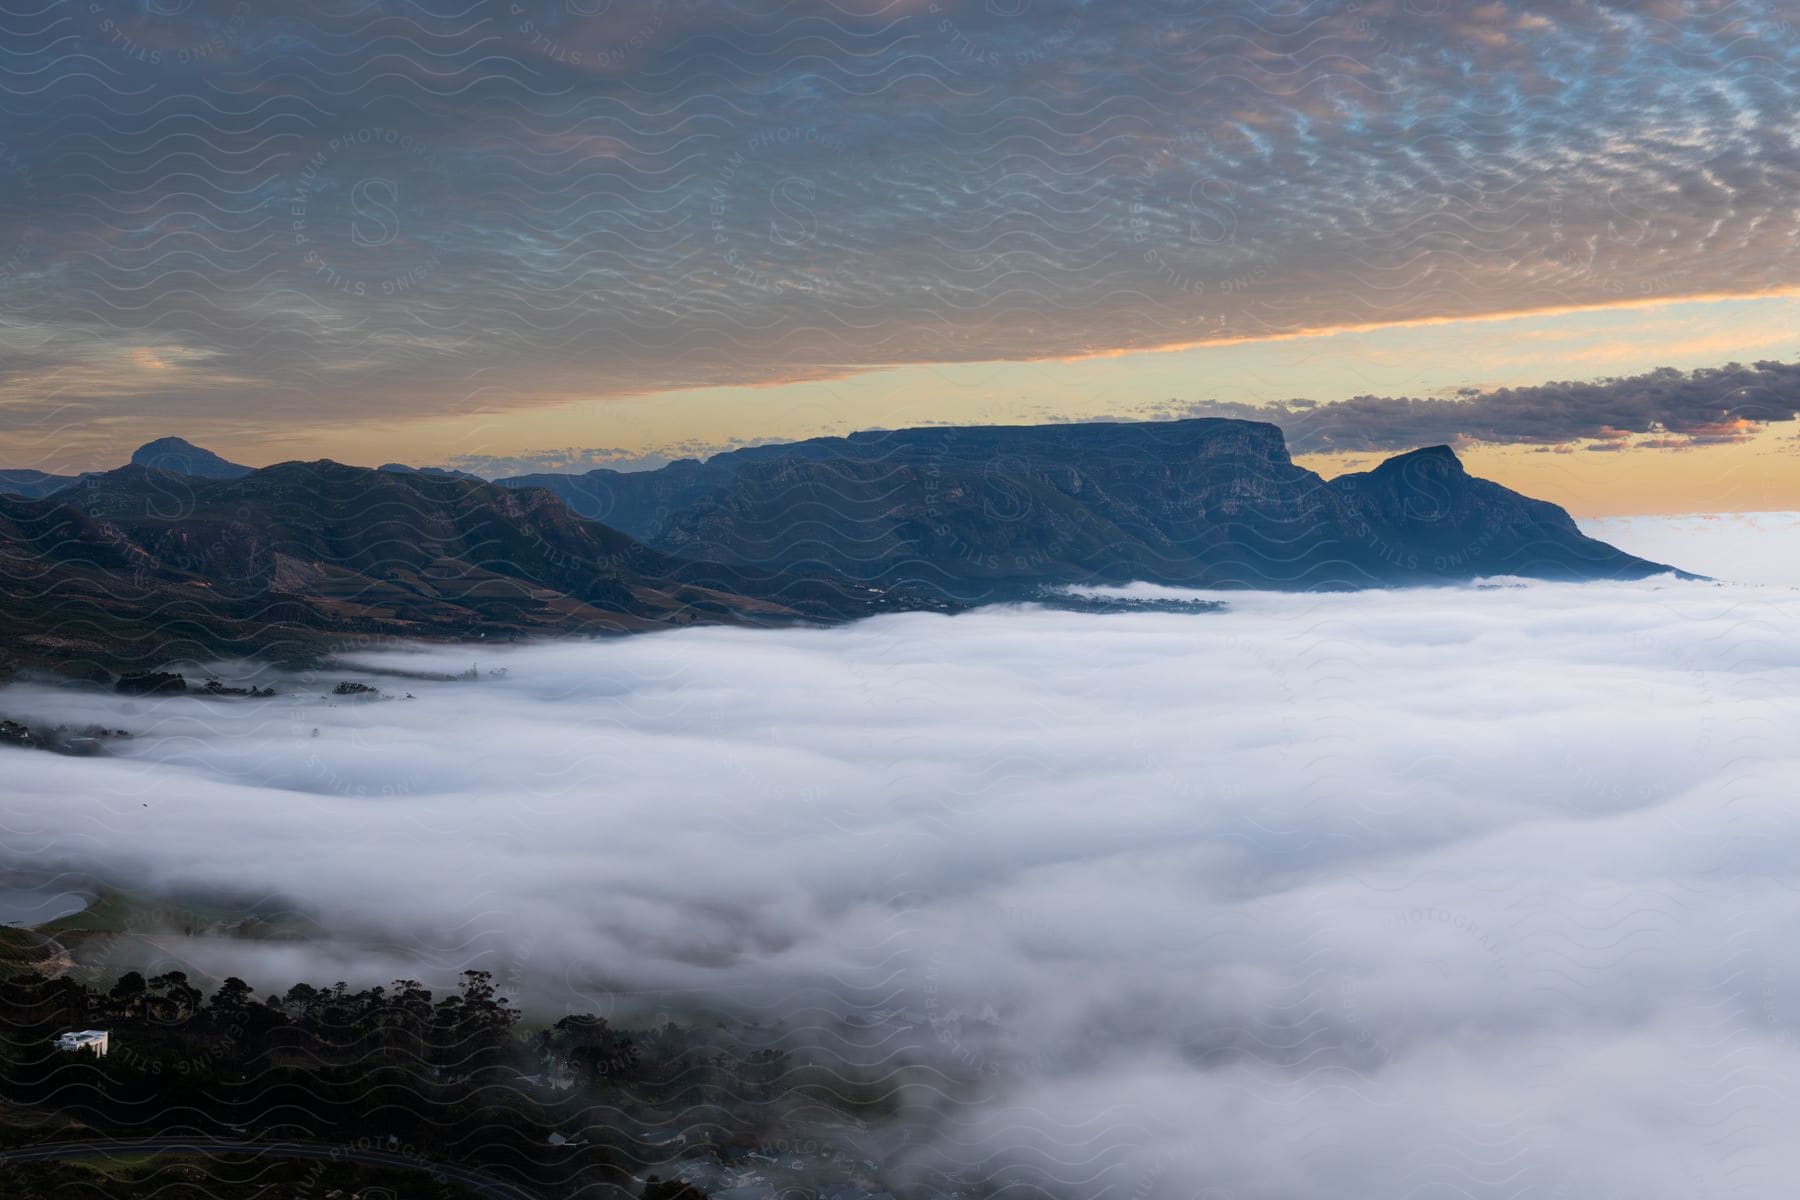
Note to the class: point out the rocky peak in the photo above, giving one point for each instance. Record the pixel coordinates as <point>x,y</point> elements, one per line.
<point>1429,460</point>
<point>184,458</point>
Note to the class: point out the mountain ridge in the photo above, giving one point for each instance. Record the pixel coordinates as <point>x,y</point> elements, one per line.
<point>1213,502</point>
<point>132,568</point>
<point>142,562</point>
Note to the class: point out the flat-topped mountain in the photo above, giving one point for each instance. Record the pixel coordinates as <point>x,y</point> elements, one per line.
<point>988,511</point>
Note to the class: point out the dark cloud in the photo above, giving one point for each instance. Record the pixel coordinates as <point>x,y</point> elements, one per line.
<point>350,208</point>
<point>1677,410</point>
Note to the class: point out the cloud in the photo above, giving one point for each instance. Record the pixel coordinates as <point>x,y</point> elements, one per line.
<point>1484,890</point>
<point>1676,410</point>
<point>526,202</point>
<point>1747,547</point>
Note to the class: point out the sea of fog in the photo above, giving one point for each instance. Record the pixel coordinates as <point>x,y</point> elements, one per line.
<point>1486,891</point>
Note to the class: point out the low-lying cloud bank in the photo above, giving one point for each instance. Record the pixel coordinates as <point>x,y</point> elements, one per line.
<point>1474,892</point>
<point>1752,547</point>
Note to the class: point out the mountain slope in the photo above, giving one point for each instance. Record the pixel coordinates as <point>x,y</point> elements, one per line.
<point>1444,522</point>
<point>140,565</point>
<point>992,511</point>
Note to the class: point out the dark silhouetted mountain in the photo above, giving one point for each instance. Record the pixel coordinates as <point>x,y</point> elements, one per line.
<point>136,566</point>
<point>32,483</point>
<point>182,457</point>
<point>403,469</point>
<point>179,457</point>
<point>996,511</point>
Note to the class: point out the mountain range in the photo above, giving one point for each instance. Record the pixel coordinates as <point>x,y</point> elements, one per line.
<point>183,554</point>
<point>128,569</point>
<point>176,455</point>
<point>975,513</point>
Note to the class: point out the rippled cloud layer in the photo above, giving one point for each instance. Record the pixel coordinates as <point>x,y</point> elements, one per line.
<point>352,209</point>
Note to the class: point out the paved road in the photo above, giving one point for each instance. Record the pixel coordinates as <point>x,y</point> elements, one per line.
<point>485,1185</point>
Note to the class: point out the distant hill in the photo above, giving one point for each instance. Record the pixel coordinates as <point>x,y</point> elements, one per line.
<point>135,566</point>
<point>32,483</point>
<point>982,512</point>
<point>172,454</point>
<point>403,469</point>
<point>177,456</point>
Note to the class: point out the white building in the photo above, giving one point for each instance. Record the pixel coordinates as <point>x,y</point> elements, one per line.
<point>94,1039</point>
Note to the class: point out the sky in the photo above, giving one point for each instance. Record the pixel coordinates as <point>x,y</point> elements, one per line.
<point>1475,891</point>
<point>517,234</point>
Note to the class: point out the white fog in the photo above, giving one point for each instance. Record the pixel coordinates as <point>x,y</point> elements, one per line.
<point>1482,891</point>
